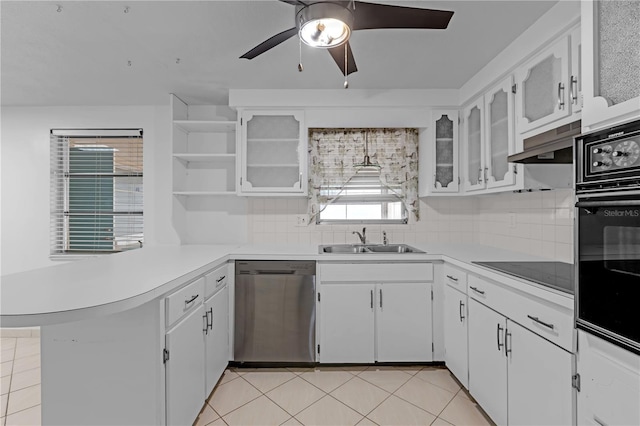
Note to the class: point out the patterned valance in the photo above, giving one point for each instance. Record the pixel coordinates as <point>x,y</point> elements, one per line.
<point>334,156</point>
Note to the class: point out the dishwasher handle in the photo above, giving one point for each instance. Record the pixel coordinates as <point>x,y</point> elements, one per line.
<point>274,272</point>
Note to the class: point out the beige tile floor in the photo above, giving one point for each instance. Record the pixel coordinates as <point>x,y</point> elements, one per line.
<point>20,371</point>
<point>401,395</point>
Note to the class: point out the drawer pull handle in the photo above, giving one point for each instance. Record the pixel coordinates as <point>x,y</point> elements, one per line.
<point>221,278</point>
<point>186,302</point>
<point>452,278</point>
<point>461,311</point>
<point>546,324</point>
<point>476,290</point>
<point>498,332</point>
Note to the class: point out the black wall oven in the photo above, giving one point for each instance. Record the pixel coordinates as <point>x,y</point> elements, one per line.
<point>608,234</point>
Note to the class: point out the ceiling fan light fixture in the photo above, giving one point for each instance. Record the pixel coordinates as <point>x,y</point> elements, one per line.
<point>324,24</point>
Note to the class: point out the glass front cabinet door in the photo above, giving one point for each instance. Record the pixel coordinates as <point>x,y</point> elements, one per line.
<point>273,146</point>
<point>543,87</point>
<point>499,135</point>
<point>473,128</point>
<point>444,152</point>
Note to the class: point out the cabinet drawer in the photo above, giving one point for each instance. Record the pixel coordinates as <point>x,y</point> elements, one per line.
<point>553,322</point>
<point>376,272</point>
<point>215,280</point>
<point>455,277</point>
<point>184,300</point>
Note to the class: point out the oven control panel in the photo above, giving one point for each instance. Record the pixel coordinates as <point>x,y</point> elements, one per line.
<point>610,157</point>
<point>614,155</point>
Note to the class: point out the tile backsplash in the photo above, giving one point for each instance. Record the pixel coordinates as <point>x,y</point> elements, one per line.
<point>538,223</point>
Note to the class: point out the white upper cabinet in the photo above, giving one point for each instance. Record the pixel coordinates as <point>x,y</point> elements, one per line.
<point>441,175</point>
<point>274,153</point>
<point>543,86</point>
<point>488,134</point>
<point>611,53</point>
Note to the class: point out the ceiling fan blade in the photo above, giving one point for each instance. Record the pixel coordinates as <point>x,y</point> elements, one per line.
<point>371,16</point>
<point>270,43</point>
<point>294,2</point>
<point>337,53</point>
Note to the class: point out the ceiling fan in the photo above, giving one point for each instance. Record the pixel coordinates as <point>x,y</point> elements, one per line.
<point>328,24</point>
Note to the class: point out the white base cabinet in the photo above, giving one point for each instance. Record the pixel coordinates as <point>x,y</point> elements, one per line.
<point>517,377</point>
<point>403,322</point>
<point>185,368</point>
<point>363,320</point>
<point>455,334</point>
<point>487,361</point>
<point>609,383</point>
<point>539,379</point>
<point>216,338</point>
<point>347,323</point>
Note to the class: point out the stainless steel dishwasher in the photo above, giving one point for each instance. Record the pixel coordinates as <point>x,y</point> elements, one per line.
<point>275,311</point>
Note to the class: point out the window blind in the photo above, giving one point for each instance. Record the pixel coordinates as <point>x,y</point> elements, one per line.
<point>96,191</point>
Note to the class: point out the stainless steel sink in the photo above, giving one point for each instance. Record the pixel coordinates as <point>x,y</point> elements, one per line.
<point>368,248</point>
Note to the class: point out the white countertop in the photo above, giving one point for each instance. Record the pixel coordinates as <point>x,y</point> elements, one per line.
<point>103,285</point>
<point>114,283</point>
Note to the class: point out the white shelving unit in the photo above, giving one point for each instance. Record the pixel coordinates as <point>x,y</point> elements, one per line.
<point>204,151</point>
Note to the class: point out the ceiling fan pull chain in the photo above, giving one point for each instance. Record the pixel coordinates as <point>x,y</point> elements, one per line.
<point>300,67</point>
<point>346,83</point>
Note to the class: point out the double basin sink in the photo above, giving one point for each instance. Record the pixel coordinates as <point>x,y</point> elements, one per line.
<point>368,248</point>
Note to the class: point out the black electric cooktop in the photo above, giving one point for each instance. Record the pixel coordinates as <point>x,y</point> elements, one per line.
<point>557,275</point>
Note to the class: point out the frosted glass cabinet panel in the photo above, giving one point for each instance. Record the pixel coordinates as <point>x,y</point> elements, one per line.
<point>499,133</point>
<point>610,34</point>
<point>273,153</point>
<point>543,87</point>
<point>444,155</point>
<point>474,140</point>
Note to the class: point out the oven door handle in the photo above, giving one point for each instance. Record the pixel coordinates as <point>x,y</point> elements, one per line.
<point>615,203</point>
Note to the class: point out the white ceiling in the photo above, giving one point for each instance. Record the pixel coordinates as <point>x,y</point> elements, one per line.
<point>80,55</point>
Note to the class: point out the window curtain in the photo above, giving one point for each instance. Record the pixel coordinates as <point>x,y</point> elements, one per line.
<point>334,155</point>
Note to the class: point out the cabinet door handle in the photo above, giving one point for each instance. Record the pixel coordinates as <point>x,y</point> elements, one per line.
<point>461,311</point>
<point>498,333</point>
<point>573,93</point>
<point>476,290</point>
<point>371,299</point>
<point>507,340</point>
<point>210,323</point>
<point>546,324</point>
<point>480,176</point>
<point>300,181</point>
<point>205,320</point>
<point>380,298</point>
<point>451,277</point>
<point>187,302</point>
<point>435,183</point>
<point>560,96</point>
<point>486,170</point>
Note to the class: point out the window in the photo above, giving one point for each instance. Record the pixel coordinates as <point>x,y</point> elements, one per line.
<point>96,191</point>
<point>343,189</point>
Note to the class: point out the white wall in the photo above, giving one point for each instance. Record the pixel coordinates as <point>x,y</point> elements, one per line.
<point>25,175</point>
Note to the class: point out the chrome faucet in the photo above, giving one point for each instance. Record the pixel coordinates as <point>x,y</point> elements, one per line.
<point>384,238</point>
<point>363,236</point>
